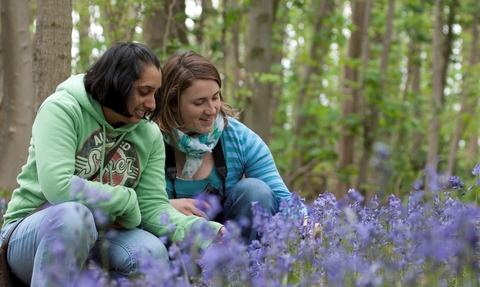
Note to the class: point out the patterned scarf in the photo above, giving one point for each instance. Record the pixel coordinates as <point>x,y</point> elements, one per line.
<point>195,147</point>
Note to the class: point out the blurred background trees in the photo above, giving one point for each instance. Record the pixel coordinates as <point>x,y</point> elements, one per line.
<point>348,94</point>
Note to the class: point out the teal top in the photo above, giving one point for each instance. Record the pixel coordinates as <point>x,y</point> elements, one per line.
<point>246,155</point>
<point>190,188</point>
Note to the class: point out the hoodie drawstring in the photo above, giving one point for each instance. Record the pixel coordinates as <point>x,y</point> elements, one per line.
<point>102,164</point>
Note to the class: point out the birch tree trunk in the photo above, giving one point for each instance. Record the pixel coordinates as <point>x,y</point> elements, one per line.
<point>17,105</point>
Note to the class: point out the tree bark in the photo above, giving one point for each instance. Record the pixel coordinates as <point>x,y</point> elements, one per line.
<point>472,146</point>
<point>166,22</point>
<point>200,26</point>
<point>52,57</point>
<point>231,60</point>
<point>85,43</point>
<point>350,105</point>
<point>17,104</point>
<point>466,104</point>
<point>437,89</point>
<point>257,109</point>
<point>318,48</point>
<point>371,120</point>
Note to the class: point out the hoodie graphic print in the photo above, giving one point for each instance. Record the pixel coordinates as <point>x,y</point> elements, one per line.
<point>123,167</point>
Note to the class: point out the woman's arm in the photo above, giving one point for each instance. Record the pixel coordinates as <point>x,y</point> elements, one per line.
<point>56,140</point>
<point>154,202</point>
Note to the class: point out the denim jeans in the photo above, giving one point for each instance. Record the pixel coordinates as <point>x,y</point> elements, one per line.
<point>50,247</point>
<point>238,206</point>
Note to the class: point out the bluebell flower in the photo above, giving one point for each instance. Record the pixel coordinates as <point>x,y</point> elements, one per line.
<point>455,183</point>
<point>476,169</point>
<point>418,184</point>
<point>356,195</point>
<point>213,201</point>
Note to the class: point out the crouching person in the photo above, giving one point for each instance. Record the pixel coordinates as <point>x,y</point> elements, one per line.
<point>93,175</point>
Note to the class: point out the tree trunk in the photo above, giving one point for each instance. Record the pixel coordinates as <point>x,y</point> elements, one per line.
<point>231,61</point>
<point>166,22</point>
<point>466,102</point>
<point>350,104</point>
<point>410,94</point>
<point>437,88</point>
<point>472,146</point>
<point>447,45</point>
<point>17,104</point>
<point>280,21</point>
<point>257,109</point>
<point>2,70</point>
<point>418,136</point>
<point>371,122</point>
<point>52,47</point>
<point>301,118</point>
<point>200,27</point>
<point>85,43</point>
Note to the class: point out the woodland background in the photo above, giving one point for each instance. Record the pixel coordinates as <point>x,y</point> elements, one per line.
<point>360,94</point>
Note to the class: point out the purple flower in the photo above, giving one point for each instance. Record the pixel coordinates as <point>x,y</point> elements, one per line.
<point>418,184</point>
<point>476,169</point>
<point>356,195</point>
<point>455,182</point>
<point>213,201</point>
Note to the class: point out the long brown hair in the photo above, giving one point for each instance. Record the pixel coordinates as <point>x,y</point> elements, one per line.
<point>179,72</point>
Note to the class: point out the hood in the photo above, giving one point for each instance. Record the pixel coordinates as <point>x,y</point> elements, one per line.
<point>75,87</point>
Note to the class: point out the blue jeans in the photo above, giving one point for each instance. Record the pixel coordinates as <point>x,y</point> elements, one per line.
<point>238,206</point>
<point>50,247</point>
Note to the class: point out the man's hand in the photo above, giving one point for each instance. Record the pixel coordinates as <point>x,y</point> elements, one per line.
<point>190,206</point>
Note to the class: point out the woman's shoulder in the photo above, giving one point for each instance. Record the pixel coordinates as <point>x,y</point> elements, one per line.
<point>238,130</point>
<point>60,104</point>
<point>149,129</point>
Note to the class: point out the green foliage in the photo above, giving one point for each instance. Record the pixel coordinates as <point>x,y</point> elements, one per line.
<point>308,108</point>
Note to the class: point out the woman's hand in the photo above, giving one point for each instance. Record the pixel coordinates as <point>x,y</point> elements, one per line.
<point>317,228</point>
<point>222,231</point>
<point>190,206</point>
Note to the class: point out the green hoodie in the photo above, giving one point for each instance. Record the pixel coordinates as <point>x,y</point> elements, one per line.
<point>68,146</point>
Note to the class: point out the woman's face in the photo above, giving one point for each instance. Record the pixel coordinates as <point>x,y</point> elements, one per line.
<point>143,101</point>
<point>199,106</point>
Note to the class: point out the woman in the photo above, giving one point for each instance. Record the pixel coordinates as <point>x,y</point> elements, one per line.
<point>194,119</point>
<point>69,171</point>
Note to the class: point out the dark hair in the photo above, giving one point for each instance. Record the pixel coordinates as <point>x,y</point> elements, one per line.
<point>179,72</point>
<point>110,80</point>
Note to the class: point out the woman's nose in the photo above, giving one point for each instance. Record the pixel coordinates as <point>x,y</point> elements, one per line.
<point>150,102</point>
<point>211,108</point>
